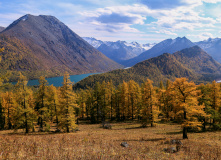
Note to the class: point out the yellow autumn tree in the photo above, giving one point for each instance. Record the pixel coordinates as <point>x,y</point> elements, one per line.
<point>24,112</point>
<point>53,94</point>
<point>134,98</point>
<point>186,108</point>
<point>67,105</point>
<point>150,109</point>
<point>110,96</point>
<point>42,104</point>
<point>2,49</point>
<point>8,105</point>
<point>124,100</point>
<point>165,103</point>
<point>215,104</point>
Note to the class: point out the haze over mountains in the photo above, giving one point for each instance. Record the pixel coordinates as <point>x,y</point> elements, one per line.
<point>166,46</point>
<point>44,45</point>
<point>119,50</point>
<point>212,47</point>
<point>193,63</point>
<point>1,28</point>
<point>129,54</point>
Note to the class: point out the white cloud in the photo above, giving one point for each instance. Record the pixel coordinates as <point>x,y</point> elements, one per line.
<point>201,36</point>
<point>211,1</point>
<point>166,32</point>
<point>9,18</point>
<point>180,18</point>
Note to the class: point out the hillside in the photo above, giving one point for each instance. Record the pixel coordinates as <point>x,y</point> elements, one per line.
<point>52,48</point>
<point>193,63</point>
<point>198,60</point>
<point>166,46</point>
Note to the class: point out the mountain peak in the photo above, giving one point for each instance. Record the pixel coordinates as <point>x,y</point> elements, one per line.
<point>23,18</point>
<point>55,48</point>
<point>182,38</point>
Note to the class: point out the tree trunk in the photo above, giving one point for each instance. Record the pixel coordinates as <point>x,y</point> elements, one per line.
<point>185,133</point>
<point>185,128</point>
<point>204,124</point>
<point>26,121</point>
<point>132,109</point>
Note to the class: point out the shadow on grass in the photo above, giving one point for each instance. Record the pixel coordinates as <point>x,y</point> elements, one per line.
<point>173,133</point>
<point>128,128</point>
<point>140,127</point>
<point>148,139</point>
<point>35,133</point>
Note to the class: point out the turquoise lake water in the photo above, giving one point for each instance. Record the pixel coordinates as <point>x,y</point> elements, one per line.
<point>57,81</point>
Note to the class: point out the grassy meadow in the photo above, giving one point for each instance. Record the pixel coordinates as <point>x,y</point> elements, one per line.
<point>94,142</point>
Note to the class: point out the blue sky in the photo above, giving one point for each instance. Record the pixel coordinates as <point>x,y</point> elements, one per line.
<point>144,21</point>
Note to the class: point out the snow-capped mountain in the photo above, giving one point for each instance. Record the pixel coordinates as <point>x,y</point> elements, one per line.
<point>119,50</point>
<point>94,42</point>
<point>212,46</point>
<point>166,46</point>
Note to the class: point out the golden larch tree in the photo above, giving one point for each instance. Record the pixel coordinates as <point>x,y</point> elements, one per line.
<point>150,109</point>
<point>185,103</point>
<point>25,114</point>
<point>67,105</point>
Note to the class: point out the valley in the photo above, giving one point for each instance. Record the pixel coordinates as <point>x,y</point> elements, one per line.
<point>129,100</point>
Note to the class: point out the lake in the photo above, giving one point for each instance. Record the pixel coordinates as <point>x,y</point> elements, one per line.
<point>57,81</point>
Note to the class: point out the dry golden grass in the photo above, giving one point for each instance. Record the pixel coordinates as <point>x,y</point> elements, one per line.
<point>93,142</point>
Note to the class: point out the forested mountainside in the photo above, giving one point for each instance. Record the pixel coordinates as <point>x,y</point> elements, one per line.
<point>193,63</point>
<point>50,48</point>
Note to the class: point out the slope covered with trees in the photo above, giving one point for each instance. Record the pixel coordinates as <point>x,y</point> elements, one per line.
<point>192,63</point>
<point>194,107</point>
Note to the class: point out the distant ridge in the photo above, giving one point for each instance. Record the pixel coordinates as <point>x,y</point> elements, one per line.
<point>212,46</point>
<point>119,50</point>
<point>193,63</point>
<point>52,48</point>
<point>166,46</point>
<point>1,28</point>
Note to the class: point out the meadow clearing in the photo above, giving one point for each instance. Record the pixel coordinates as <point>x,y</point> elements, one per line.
<point>94,142</point>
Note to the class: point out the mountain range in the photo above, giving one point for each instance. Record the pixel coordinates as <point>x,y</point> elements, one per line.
<point>166,46</point>
<point>128,54</point>
<point>119,50</point>
<point>193,63</point>
<point>212,46</point>
<point>42,45</point>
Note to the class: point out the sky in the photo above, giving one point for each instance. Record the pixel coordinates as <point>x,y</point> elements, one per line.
<point>143,21</point>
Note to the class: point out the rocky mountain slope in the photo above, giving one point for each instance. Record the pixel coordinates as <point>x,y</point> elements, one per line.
<point>52,48</point>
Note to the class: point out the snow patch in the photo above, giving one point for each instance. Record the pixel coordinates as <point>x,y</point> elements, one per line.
<point>24,18</point>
